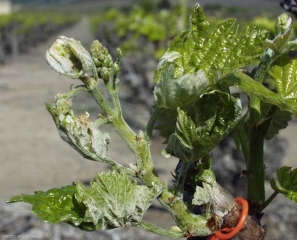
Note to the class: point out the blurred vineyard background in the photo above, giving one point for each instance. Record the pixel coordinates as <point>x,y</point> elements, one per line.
<point>33,156</point>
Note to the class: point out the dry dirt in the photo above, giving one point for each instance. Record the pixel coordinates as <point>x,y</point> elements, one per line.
<point>33,157</point>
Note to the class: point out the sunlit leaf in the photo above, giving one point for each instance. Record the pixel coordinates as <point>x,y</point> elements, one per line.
<point>287,179</point>
<point>54,205</point>
<point>286,100</point>
<point>113,200</point>
<point>284,73</point>
<point>227,50</point>
<point>196,59</point>
<point>284,33</point>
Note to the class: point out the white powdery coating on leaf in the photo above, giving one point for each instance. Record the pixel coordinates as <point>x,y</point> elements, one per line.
<point>169,57</point>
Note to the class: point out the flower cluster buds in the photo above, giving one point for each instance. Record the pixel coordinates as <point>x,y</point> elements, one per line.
<point>102,60</point>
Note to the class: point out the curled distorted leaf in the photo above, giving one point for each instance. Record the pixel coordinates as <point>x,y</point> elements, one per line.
<point>79,132</point>
<point>199,128</point>
<point>68,57</point>
<point>173,92</point>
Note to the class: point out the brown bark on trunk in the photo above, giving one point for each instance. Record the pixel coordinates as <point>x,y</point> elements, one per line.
<point>227,212</point>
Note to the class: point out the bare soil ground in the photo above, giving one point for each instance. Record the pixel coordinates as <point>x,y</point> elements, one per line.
<point>33,157</point>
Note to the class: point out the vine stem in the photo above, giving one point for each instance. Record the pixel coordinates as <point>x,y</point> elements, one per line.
<point>140,146</point>
<point>269,200</point>
<point>255,157</point>
<point>160,231</point>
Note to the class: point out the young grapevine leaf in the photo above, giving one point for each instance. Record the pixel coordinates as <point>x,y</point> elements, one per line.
<point>284,30</point>
<point>286,100</point>
<point>284,73</point>
<point>55,205</point>
<point>196,59</point>
<point>226,49</point>
<point>279,120</point>
<point>115,201</point>
<point>166,123</point>
<point>185,89</point>
<point>200,128</point>
<point>112,201</point>
<point>287,179</point>
<point>178,82</point>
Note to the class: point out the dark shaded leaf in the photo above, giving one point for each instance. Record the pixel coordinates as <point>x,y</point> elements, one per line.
<point>203,125</point>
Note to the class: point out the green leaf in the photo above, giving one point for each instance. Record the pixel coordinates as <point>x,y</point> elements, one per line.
<point>281,43</point>
<point>79,132</point>
<point>172,92</point>
<point>54,205</point>
<point>284,73</point>
<point>202,195</point>
<point>196,59</point>
<point>279,120</point>
<point>115,201</point>
<point>285,101</point>
<point>287,179</point>
<point>166,123</point>
<point>112,201</point>
<point>227,50</point>
<point>200,128</point>
<point>187,42</point>
<point>178,82</point>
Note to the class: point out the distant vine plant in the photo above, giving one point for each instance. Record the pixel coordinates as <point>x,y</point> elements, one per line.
<point>194,111</point>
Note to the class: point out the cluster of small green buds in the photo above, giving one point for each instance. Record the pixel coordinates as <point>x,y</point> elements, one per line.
<point>103,61</point>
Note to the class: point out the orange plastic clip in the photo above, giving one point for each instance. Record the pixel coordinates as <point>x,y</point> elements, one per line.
<point>227,233</point>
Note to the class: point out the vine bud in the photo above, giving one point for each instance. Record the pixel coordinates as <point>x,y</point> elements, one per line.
<point>283,24</point>
<point>102,60</point>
